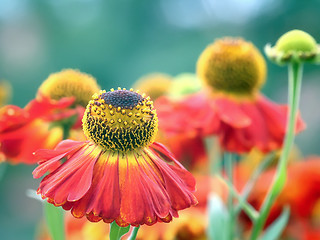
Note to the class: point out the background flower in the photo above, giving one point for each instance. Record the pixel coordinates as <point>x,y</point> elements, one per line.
<point>118,43</point>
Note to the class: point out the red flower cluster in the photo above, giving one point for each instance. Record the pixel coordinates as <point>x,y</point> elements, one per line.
<point>23,131</point>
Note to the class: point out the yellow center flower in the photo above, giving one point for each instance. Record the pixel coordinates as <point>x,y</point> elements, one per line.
<point>232,66</point>
<point>70,83</point>
<point>120,120</point>
<point>155,84</point>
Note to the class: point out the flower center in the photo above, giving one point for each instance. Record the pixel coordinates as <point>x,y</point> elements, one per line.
<point>70,83</point>
<point>120,120</point>
<point>232,66</point>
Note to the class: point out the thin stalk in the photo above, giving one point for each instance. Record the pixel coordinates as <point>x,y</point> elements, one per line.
<point>229,172</point>
<point>295,77</point>
<point>214,158</point>
<point>134,233</point>
<point>214,155</point>
<point>250,184</point>
<point>247,208</point>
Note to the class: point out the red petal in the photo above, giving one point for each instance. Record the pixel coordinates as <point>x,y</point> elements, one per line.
<point>72,179</point>
<point>143,196</point>
<point>43,106</point>
<point>51,157</point>
<point>105,190</point>
<point>12,118</point>
<point>230,112</point>
<point>179,183</point>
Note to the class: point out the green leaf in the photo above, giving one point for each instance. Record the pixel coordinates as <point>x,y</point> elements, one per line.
<point>276,228</point>
<point>218,218</point>
<point>55,221</point>
<point>117,232</point>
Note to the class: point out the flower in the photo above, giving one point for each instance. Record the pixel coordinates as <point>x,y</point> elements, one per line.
<point>118,174</point>
<point>187,146</point>
<point>5,92</point>
<point>188,150</point>
<point>295,45</point>
<point>24,130</point>
<point>38,124</point>
<point>232,66</point>
<point>184,84</point>
<point>300,193</point>
<point>178,133</point>
<point>231,106</point>
<point>154,84</point>
<point>70,83</point>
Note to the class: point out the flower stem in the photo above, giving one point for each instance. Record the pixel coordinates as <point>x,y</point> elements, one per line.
<point>250,184</point>
<point>247,208</point>
<point>295,77</point>
<point>229,171</point>
<point>66,131</point>
<point>134,233</point>
<point>116,232</point>
<point>55,221</point>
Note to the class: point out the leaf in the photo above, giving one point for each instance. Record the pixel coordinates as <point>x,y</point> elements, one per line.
<point>55,221</point>
<point>218,218</point>
<point>117,232</point>
<point>276,228</point>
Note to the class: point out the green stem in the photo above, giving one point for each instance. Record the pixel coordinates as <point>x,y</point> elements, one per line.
<point>214,157</point>
<point>250,184</point>
<point>213,152</point>
<point>134,233</point>
<point>295,77</point>
<point>229,171</point>
<point>247,208</point>
<point>66,131</point>
<point>116,232</point>
<point>55,221</point>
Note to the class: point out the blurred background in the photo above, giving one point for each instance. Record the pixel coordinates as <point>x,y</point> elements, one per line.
<point>119,41</point>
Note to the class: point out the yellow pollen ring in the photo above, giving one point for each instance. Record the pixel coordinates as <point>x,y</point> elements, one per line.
<point>120,120</point>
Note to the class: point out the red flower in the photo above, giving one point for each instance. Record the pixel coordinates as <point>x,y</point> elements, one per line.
<point>23,131</point>
<point>119,174</point>
<point>301,191</point>
<point>239,125</point>
<point>180,133</point>
<point>61,97</point>
<point>231,107</point>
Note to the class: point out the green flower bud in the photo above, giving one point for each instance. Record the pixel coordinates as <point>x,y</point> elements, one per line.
<point>295,45</point>
<point>184,84</point>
